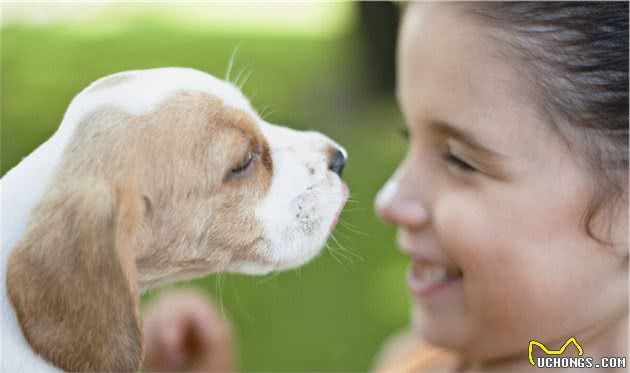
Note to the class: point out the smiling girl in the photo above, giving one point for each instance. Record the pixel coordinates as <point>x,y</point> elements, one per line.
<point>512,201</point>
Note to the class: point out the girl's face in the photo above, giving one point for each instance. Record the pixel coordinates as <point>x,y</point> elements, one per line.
<point>489,202</point>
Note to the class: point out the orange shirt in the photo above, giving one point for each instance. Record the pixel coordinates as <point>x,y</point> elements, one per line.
<point>424,358</point>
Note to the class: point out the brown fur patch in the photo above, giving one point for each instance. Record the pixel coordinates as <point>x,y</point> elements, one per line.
<point>136,201</point>
<point>72,280</point>
<point>266,158</point>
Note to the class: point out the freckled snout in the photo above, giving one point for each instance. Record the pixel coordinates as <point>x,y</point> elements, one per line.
<point>337,161</point>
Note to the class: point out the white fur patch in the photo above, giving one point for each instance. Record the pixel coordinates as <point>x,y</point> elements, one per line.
<point>304,196</point>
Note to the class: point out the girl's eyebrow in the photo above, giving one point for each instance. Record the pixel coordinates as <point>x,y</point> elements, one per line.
<point>465,137</point>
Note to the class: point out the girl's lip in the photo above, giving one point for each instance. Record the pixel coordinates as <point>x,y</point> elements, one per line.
<point>423,289</point>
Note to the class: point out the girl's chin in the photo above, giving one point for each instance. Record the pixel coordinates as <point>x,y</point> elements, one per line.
<point>439,330</point>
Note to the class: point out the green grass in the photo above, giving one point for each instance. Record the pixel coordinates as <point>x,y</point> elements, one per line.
<point>327,316</point>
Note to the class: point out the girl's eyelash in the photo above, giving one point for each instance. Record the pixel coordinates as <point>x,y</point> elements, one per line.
<point>458,162</point>
<point>448,156</point>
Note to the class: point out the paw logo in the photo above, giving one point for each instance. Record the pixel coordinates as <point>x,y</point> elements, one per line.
<point>553,352</point>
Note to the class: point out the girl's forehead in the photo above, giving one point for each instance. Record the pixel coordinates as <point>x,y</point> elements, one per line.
<point>449,71</point>
<point>446,51</point>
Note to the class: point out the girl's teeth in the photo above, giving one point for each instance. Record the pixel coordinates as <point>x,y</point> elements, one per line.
<point>435,273</point>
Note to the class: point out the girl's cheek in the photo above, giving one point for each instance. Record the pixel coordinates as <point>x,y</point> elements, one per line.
<point>515,286</point>
<point>464,231</point>
<point>496,288</point>
<point>467,235</point>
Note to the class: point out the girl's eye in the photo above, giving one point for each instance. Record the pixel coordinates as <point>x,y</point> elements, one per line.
<point>458,162</point>
<point>245,164</point>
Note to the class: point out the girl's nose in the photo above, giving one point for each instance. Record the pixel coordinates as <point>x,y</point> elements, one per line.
<point>396,207</point>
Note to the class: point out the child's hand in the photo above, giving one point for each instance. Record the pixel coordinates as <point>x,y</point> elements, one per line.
<point>183,331</point>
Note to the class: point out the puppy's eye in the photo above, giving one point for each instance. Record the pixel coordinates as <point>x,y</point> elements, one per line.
<point>243,166</point>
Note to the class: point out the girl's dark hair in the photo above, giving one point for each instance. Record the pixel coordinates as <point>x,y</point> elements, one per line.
<point>575,56</point>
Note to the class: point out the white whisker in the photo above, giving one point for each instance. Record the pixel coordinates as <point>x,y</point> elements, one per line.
<point>346,250</point>
<point>219,292</point>
<point>353,209</point>
<point>330,250</point>
<point>352,228</point>
<point>230,65</point>
<point>246,76</point>
<point>268,278</point>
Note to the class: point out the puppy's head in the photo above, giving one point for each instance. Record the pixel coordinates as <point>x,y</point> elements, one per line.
<point>164,174</point>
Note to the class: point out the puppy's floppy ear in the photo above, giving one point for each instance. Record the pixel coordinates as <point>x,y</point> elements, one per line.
<point>72,279</point>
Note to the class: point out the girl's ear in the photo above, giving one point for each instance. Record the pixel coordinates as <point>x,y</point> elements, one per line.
<point>72,278</point>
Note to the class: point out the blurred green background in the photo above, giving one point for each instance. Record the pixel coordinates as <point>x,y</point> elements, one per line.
<point>321,66</point>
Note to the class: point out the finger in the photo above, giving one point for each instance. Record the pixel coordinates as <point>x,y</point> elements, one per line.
<point>184,330</point>
<point>218,354</point>
<point>208,341</point>
<point>171,343</point>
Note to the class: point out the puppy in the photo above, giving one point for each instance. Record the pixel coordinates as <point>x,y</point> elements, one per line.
<point>153,176</point>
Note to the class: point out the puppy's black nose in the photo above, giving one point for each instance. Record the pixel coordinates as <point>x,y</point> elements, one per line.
<point>337,161</point>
